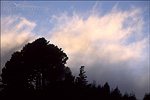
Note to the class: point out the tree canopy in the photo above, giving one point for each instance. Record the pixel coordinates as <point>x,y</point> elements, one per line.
<point>39,70</point>
<point>35,65</point>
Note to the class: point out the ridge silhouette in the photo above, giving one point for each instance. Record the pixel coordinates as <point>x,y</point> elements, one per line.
<point>38,71</point>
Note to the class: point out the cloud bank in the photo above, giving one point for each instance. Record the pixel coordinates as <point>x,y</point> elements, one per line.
<point>113,47</point>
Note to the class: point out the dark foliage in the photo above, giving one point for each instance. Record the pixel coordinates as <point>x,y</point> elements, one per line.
<point>146,97</point>
<point>38,71</point>
<point>37,64</point>
<point>81,80</point>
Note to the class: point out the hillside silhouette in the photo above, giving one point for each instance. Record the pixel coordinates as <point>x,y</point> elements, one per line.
<point>38,71</point>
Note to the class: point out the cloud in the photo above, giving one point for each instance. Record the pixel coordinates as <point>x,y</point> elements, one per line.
<point>105,33</point>
<point>15,32</point>
<point>112,46</point>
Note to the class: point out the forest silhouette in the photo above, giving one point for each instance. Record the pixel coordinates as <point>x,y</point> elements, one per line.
<point>38,71</point>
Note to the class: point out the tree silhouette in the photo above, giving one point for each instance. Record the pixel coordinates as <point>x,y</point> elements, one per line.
<point>132,96</point>
<point>39,71</point>
<point>147,96</point>
<point>69,78</point>
<point>125,96</point>
<point>81,80</point>
<point>106,91</point>
<point>38,64</point>
<point>106,88</point>
<point>115,94</point>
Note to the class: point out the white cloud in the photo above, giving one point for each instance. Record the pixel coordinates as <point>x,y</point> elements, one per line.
<point>15,32</point>
<point>112,45</point>
<point>106,33</point>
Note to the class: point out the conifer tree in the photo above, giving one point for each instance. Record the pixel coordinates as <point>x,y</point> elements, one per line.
<point>81,80</point>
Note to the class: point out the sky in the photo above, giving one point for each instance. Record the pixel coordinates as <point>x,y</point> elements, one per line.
<point>109,38</point>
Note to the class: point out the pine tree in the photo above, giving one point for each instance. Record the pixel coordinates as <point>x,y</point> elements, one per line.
<point>81,80</point>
